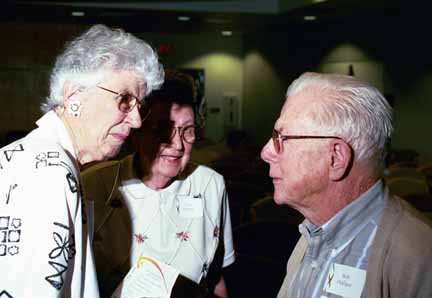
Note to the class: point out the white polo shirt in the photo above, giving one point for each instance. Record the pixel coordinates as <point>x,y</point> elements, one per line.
<point>181,225</point>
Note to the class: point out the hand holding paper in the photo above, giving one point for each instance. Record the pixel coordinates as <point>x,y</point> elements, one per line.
<point>148,279</point>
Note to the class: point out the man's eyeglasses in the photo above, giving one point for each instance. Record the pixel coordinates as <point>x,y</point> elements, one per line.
<point>278,139</point>
<point>187,133</point>
<point>127,101</point>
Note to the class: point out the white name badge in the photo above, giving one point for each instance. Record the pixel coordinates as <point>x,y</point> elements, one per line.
<point>191,207</point>
<point>149,278</point>
<point>345,281</point>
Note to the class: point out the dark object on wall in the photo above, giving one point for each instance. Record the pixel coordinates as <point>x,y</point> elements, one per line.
<point>200,103</point>
<point>351,70</point>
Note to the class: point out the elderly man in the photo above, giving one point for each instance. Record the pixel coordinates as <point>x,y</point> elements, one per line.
<point>326,155</point>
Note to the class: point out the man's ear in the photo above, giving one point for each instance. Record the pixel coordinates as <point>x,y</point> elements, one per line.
<point>341,159</point>
<point>69,90</point>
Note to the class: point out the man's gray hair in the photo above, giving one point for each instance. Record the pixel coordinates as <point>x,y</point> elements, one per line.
<point>351,109</point>
<point>100,49</point>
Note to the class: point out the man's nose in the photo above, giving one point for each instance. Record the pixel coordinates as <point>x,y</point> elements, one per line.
<point>267,153</point>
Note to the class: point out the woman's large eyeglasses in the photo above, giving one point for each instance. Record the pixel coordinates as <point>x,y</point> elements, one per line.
<point>278,139</point>
<point>127,101</point>
<point>187,133</point>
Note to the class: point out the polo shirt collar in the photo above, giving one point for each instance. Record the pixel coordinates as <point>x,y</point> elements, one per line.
<point>55,129</point>
<point>138,190</point>
<point>343,225</point>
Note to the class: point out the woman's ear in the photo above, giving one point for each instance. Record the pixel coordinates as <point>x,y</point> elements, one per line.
<point>341,159</point>
<point>69,91</point>
<point>70,101</point>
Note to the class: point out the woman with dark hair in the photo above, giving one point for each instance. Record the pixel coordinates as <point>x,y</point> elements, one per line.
<point>162,207</point>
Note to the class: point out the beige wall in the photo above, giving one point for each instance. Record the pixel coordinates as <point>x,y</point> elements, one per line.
<point>27,52</point>
<point>29,49</point>
<point>379,54</point>
<point>264,95</point>
<point>256,68</point>
<point>222,60</point>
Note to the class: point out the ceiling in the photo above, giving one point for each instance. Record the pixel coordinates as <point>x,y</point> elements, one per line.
<point>239,16</point>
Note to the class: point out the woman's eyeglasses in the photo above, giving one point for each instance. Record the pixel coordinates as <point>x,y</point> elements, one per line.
<point>127,101</point>
<point>187,133</point>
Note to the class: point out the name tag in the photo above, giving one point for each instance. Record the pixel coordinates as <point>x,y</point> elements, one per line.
<point>345,281</point>
<point>191,206</point>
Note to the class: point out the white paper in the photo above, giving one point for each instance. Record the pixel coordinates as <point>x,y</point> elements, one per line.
<point>150,278</point>
<point>345,281</point>
<point>191,207</point>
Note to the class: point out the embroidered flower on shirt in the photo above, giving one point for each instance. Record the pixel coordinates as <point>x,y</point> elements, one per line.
<point>140,238</point>
<point>183,236</point>
<point>216,232</point>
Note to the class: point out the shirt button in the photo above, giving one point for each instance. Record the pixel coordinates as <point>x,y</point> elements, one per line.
<point>314,264</point>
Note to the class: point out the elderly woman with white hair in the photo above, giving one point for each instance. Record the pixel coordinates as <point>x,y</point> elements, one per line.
<point>96,89</point>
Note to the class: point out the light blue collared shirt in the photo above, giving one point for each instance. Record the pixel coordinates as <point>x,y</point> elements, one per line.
<point>345,239</point>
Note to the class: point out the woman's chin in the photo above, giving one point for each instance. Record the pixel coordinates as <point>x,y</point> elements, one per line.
<point>108,153</point>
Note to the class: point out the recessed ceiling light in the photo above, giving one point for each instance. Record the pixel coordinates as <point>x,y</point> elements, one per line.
<point>77,13</point>
<point>217,21</point>
<point>309,18</point>
<point>318,1</point>
<point>226,33</point>
<point>183,18</point>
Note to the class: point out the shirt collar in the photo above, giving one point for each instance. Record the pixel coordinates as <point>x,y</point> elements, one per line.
<point>138,190</point>
<point>339,228</point>
<point>56,131</point>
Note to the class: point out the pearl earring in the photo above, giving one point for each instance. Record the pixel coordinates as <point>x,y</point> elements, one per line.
<point>74,108</point>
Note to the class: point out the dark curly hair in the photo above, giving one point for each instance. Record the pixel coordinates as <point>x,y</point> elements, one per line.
<point>178,88</point>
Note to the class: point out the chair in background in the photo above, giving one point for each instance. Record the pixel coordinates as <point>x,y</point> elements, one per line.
<point>403,171</point>
<point>262,251</point>
<point>406,180</point>
<point>414,189</point>
<point>407,186</point>
<point>242,195</point>
<point>426,169</point>
<point>266,209</point>
<point>402,158</point>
